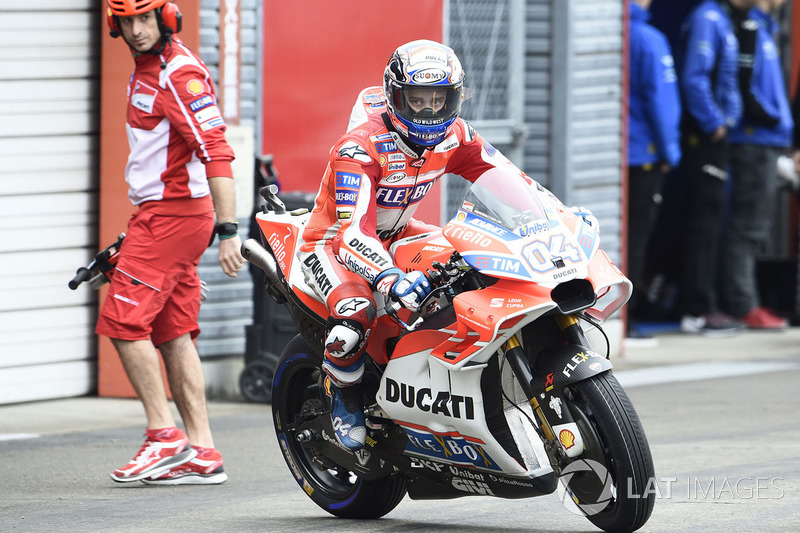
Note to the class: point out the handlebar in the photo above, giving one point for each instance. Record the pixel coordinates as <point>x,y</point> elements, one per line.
<point>102,264</point>
<point>83,274</point>
<point>440,277</point>
<point>270,195</point>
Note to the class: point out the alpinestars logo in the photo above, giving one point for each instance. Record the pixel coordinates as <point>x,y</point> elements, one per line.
<point>354,151</point>
<point>351,306</point>
<point>335,347</point>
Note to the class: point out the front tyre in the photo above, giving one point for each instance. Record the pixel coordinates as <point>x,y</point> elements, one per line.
<point>296,389</point>
<point>610,482</point>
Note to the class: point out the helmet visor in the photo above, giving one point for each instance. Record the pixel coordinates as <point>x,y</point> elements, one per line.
<point>426,105</point>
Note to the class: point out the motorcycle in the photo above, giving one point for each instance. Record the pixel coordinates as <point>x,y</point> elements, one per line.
<point>491,388</point>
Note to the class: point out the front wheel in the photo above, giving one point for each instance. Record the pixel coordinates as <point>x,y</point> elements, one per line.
<point>609,482</point>
<point>297,389</point>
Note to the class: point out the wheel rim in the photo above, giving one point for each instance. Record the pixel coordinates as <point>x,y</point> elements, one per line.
<point>587,486</point>
<point>304,385</point>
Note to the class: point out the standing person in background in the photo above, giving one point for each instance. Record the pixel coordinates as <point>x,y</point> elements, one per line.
<point>764,133</point>
<point>179,172</point>
<point>653,140</point>
<point>796,134</point>
<point>708,76</point>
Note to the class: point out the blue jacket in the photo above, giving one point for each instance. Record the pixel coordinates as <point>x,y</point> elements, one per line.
<point>767,93</point>
<point>655,107</point>
<point>708,67</point>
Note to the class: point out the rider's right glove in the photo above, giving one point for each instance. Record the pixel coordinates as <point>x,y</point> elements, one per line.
<point>409,289</point>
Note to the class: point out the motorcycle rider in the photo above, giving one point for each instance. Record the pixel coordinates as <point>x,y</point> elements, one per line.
<point>401,139</point>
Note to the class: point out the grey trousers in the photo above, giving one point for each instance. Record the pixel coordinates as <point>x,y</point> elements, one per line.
<point>754,188</point>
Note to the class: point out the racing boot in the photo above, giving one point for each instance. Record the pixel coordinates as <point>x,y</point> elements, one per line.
<point>347,415</point>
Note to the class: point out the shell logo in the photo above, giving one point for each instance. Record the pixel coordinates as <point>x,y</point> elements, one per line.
<point>383,160</point>
<point>195,87</point>
<point>567,438</point>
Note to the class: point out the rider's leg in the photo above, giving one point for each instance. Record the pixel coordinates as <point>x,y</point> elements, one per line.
<point>348,328</point>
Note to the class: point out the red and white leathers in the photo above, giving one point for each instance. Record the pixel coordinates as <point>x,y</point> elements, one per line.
<point>177,141</point>
<point>370,190</point>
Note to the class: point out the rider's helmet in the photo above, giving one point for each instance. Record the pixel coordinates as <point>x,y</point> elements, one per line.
<point>167,13</point>
<point>423,83</point>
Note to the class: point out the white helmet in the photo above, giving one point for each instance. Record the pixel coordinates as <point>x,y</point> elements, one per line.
<point>423,83</point>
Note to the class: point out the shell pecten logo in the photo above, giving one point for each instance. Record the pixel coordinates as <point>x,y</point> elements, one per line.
<point>567,438</point>
<point>195,87</point>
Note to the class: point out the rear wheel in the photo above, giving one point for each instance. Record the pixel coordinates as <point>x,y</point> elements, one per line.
<point>610,481</point>
<point>297,388</point>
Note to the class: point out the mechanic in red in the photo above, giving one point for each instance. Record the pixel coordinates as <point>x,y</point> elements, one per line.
<point>179,173</point>
<point>401,139</point>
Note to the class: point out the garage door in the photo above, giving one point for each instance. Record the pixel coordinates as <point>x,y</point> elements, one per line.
<point>48,194</point>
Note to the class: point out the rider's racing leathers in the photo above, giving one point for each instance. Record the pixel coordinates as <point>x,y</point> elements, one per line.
<point>370,190</point>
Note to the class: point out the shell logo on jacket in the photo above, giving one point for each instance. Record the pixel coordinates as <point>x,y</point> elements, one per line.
<point>374,183</point>
<point>175,129</point>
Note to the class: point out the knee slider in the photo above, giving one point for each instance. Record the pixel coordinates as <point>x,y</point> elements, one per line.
<point>346,339</point>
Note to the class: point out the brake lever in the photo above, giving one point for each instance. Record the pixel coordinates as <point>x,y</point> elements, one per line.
<point>440,277</point>
<point>392,307</point>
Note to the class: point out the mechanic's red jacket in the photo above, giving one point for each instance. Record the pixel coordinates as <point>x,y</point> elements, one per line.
<point>175,131</point>
<point>374,182</point>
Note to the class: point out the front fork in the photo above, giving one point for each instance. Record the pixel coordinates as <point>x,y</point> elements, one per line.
<point>558,430</point>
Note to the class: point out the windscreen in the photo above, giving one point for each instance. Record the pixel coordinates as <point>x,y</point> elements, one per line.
<point>506,198</point>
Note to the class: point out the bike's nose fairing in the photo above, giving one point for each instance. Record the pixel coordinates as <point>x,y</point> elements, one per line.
<point>509,227</point>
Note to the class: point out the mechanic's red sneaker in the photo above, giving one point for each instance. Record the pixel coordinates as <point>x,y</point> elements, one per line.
<point>204,469</point>
<point>162,449</point>
<point>762,318</point>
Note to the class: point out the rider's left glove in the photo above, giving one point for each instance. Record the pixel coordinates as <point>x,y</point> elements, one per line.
<point>409,289</point>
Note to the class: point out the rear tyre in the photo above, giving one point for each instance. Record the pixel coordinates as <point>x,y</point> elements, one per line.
<point>611,481</point>
<point>297,386</point>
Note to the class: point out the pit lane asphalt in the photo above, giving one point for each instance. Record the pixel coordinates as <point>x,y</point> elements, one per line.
<point>720,414</point>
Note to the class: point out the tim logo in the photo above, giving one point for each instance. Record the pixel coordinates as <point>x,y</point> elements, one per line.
<point>347,185</point>
<point>384,147</point>
<point>400,197</point>
<point>348,180</point>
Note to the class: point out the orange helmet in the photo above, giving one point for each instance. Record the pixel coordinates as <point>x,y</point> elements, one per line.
<point>169,16</point>
<point>126,8</point>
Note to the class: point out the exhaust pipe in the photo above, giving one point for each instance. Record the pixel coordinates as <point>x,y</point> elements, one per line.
<point>260,257</point>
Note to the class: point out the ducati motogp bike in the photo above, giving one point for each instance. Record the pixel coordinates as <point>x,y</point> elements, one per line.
<point>492,388</point>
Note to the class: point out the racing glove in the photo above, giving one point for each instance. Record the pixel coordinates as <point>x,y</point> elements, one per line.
<point>408,289</point>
